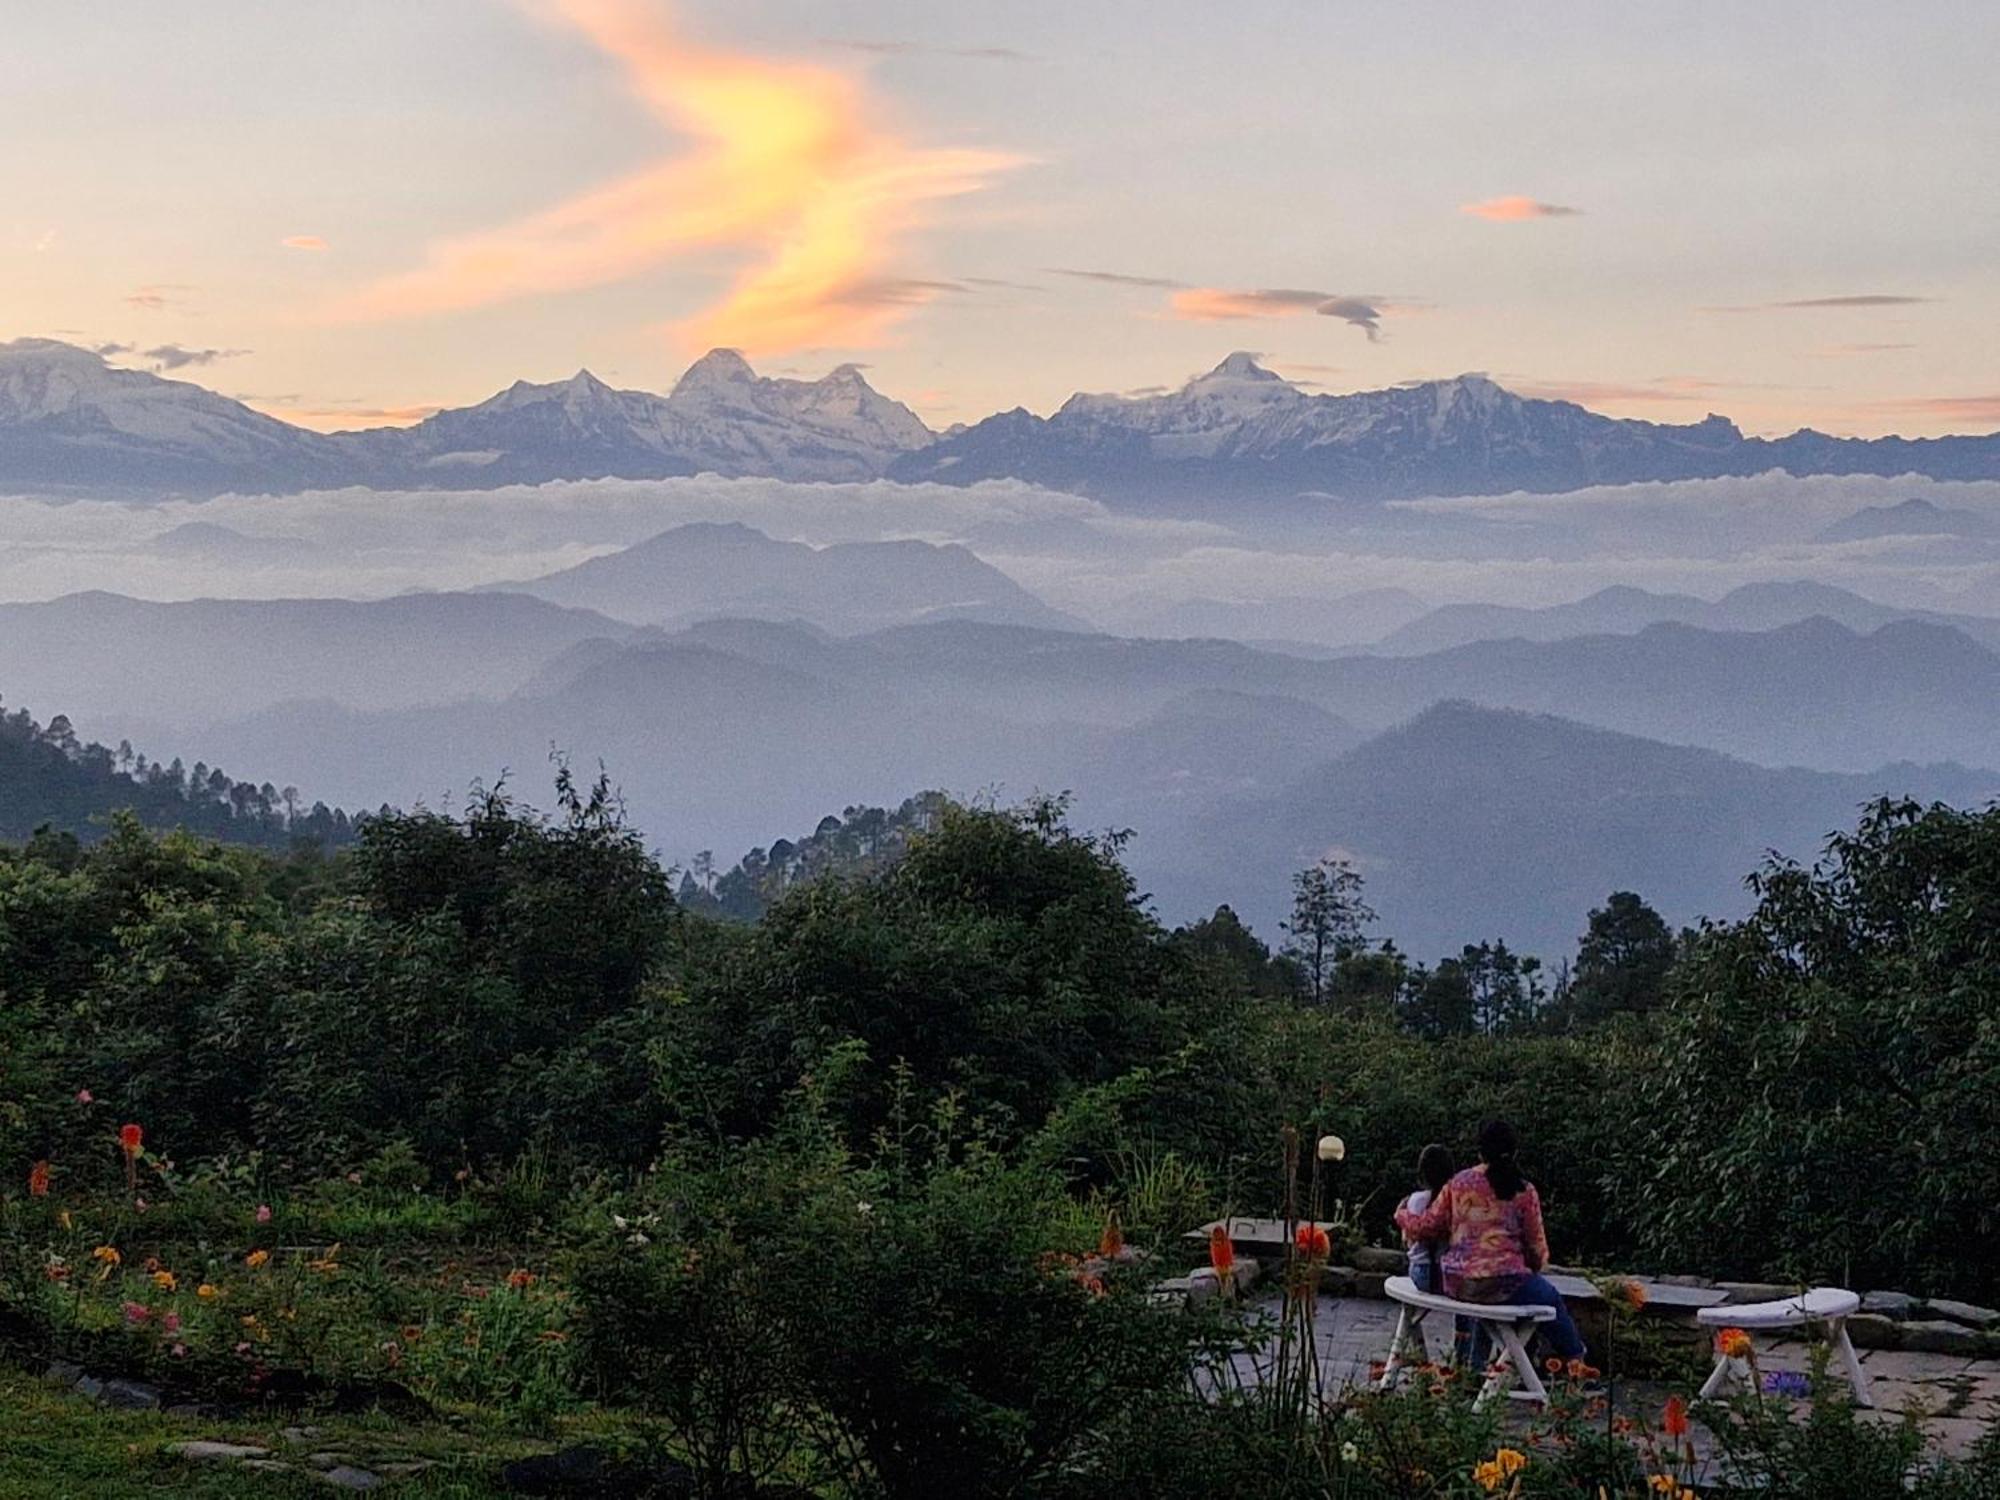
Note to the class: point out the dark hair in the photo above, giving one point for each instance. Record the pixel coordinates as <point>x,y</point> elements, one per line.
<point>1498,1146</point>
<point>1434,1167</point>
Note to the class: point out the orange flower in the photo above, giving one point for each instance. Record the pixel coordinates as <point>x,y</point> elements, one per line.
<point>1733,1343</point>
<point>38,1180</point>
<point>1221,1251</point>
<point>207,1292</point>
<point>1674,1420</point>
<point>166,1281</point>
<point>1111,1244</point>
<point>131,1139</point>
<point>256,1258</point>
<point>520,1281</point>
<point>1312,1242</point>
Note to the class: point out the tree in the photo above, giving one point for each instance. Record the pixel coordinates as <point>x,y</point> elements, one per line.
<point>1327,922</point>
<point>1230,961</point>
<point>1621,964</point>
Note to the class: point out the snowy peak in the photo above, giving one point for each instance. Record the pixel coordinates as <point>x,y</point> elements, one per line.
<point>1238,366</point>
<point>717,368</point>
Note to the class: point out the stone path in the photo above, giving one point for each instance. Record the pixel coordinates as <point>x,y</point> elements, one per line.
<point>1959,1397</point>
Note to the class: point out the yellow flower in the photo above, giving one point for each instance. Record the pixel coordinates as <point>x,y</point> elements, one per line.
<point>108,1255</point>
<point>1663,1484</point>
<point>1511,1462</point>
<point>1488,1476</point>
<point>65,1220</point>
<point>166,1281</point>
<point>1733,1343</point>
<point>256,1258</point>
<point>207,1292</point>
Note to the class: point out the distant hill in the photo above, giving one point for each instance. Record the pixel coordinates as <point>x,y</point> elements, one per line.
<point>1915,518</point>
<point>705,570</point>
<point>1471,823</point>
<point>1626,611</point>
<point>51,779</point>
<point>71,422</point>
<point>123,662</point>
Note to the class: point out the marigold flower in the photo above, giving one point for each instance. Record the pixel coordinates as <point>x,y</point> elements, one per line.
<point>38,1180</point>
<point>1674,1419</point>
<point>131,1139</point>
<point>1312,1242</point>
<point>166,1281</point>
<point>1634,1294</point>
<point>1511,1461</point>
<point>108,1255</point>
<point>1488,1476</point>
<point>207,1291</point>
<point>1111,1244</point>
<point>1221,1251</point>
<point>256,1258</point>
<point>1733,1343</point>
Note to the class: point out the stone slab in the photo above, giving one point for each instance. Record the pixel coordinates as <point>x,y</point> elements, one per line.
<point>204,1451</point>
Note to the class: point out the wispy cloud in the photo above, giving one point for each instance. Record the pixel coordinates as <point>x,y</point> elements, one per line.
<point>789,169</point>
<point>1984,410</point>
<point>157,296</point>
<point>920,49</point>
<point>303,242</point>
<point>1115,278</point>
<point>340,416</point>
<point>1842,351</point>
<point>1515,209</point>
<point>1212,304</point>
<point>1850,300</point>
<point>175,357</point>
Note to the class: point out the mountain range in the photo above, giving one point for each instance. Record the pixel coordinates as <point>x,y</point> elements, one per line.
<point>70,422</point>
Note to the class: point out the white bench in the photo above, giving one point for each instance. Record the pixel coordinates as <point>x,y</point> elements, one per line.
<point>1830,1306</point>
<point>1512,1325</point>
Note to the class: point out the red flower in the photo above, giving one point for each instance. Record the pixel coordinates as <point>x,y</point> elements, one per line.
<point>1312,1242</point>
<point>38,1180</point>
<point>131,1138</point>
<point>1112,1244</point>
<point>1674,1420</point>
<point>1221,1251</point>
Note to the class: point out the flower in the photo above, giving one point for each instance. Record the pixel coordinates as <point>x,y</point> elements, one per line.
<point>1663,1484</point>
<point>256,1258</point>
<point>1312,1242</point>
<point>179,1351</point>
<point>1221,1252</point>
<point>1488,1476</point>
<point>56,1270</point>
<point>83,1096</point>
<point>1630,1295</point>
<point>1577,1369</point>
<point>1349,1453</point>
<point>1111,1244</point>
<point>1789,1383</point>
<point>1733,1343</point>
<point>166,1281</point>
<point>1553,1365</point>
<point>1674,1419</point>
<point>207,1291</point>
<point>131,1139</point>
<point>520,1281</point>
<point>38,1180</point>
<point>171,1322</point>
<point>137,1312</point>
<point>263,1215</point>
<point>108,1255</point>
<point>1332,1148</point>
<point>1511,1461</point>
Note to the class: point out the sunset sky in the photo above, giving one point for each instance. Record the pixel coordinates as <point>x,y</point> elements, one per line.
<point>348,214</point>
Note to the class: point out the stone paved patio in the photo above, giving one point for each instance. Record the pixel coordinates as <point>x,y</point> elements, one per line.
<point>1958,1398</point>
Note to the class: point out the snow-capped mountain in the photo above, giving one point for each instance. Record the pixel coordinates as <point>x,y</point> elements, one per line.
<point>68,419</point>
<point>1242,431</point>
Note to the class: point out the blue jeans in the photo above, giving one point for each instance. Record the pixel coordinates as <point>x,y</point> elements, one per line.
<point>1536,1291</point>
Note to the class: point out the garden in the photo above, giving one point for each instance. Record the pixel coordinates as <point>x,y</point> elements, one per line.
<point>471,1162</point>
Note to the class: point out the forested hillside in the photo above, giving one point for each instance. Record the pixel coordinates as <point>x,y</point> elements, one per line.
<point>49,778</point>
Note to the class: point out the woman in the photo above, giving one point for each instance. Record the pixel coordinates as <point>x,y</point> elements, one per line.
<point>1490,1220</point>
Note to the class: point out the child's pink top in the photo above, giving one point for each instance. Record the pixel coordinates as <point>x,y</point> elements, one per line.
<point>1484,1237</point>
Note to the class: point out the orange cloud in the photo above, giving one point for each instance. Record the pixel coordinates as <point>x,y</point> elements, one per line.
<point>1209,304</point>
<point>1514,208</point>
<point>787,167</point>
<point>1983,410</point>
<point>303,242</point>
<point>343,418</point>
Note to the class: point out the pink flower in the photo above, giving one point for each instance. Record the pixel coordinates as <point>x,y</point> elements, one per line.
<point>263,1213</point>
<point>179,1351</point>
<point>83,1097</point>
<point>244,1347</point>
<point>171,1322</point>
<point>137,1312</point>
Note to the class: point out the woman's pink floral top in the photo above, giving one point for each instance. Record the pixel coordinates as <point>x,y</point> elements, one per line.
<point>1486,1240</point>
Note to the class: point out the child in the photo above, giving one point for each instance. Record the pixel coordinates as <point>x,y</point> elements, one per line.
<point>1434,1169</point>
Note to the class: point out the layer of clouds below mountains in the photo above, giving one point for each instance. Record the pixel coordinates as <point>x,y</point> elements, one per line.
<point>1125,573</point>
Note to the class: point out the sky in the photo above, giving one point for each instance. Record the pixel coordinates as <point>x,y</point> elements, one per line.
<point>349,215</point>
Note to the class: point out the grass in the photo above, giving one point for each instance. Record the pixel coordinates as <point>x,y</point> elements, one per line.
<point>59,1446</point>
